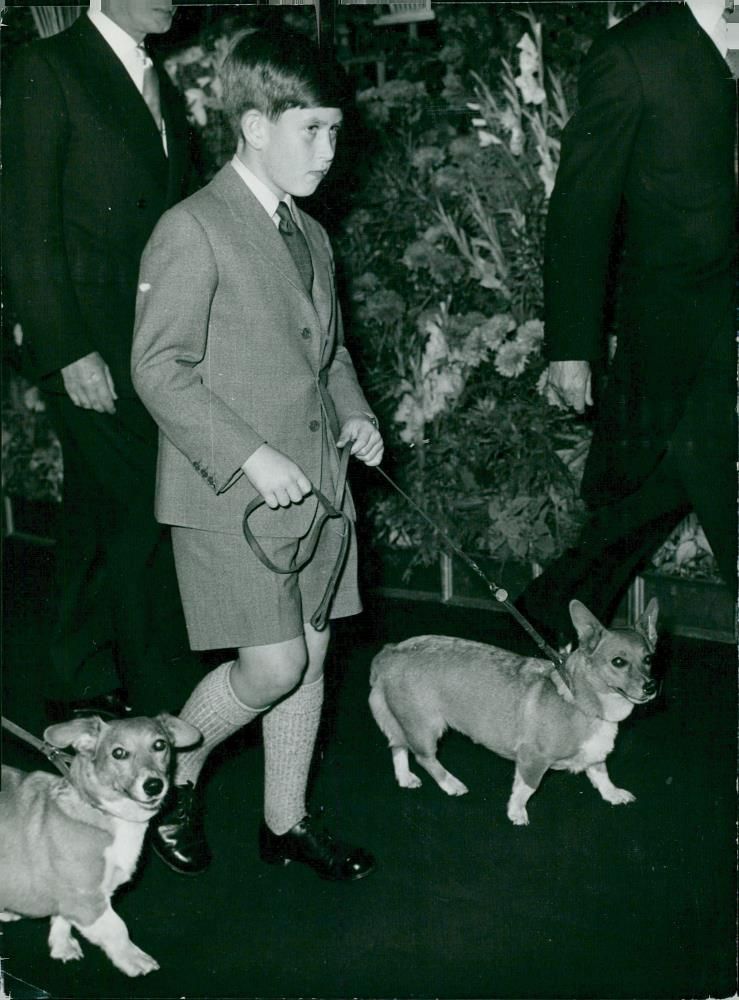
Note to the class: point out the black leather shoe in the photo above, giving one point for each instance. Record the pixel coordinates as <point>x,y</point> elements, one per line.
<point>312,845</point>
<point>111,705</point>
<point>177,836</point>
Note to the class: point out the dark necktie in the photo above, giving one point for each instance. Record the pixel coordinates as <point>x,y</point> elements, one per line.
<point>297,245</point>
<point>732,58</point>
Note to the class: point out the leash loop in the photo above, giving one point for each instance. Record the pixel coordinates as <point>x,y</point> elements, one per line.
<point>61,761</point>
<point>331,511</point>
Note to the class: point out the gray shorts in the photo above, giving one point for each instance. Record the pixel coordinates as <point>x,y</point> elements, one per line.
<point>231,600</point>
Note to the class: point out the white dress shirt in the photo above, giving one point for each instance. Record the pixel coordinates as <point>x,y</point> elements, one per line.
<point>266,198</point>
<point>710,16</point>
<point>125,47</point>
<point>128,51</point>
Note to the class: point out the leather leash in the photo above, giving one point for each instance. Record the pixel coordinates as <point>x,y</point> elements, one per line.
<point>499,593</point>
<point>330,511</point>
<point>319,619</point>
<point>61,761</point>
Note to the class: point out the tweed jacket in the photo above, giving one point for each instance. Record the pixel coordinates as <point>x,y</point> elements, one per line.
<point>85,181</point>
<point>230,352</point>
<point>643,215</point>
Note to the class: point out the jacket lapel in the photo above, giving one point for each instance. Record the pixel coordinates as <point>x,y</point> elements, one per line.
<point>115,93</point>
<point>260,229</point>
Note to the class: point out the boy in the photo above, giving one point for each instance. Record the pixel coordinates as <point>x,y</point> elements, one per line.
<point>239,356</point>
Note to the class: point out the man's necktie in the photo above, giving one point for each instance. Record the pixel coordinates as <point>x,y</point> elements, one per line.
<point>150,87</point>
<point>297,245</point>
<point>732,58</point>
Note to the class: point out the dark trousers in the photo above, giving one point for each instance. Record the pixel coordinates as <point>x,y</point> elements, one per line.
<point>119,618</point>
<point>698,473</point>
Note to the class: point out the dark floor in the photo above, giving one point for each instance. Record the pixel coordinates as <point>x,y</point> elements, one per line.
<point>589,901</point>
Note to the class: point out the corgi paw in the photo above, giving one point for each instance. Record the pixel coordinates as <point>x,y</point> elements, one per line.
<point>409,781</point>
<point>135,962</point>
<point>453,786</point>
<point>519,817</point>
<point>7,917</point>
<point>66,949</point>
<point>618,796</point>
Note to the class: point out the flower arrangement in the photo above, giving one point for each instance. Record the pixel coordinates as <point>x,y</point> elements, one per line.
<point>31,454</point>
<point>445,276</point>
<point>194,71</point>
<point>441,255</point>
<point>686,553</point>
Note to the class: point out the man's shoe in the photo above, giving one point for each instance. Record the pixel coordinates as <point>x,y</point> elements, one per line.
<point>312,845</point>
<point>178,836</point>
<point>111,705</point>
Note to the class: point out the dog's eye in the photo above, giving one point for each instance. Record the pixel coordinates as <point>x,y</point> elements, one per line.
<point>648,659</point>
<point>119,753</point>
<point>619,661</point>
<point>159,745</point>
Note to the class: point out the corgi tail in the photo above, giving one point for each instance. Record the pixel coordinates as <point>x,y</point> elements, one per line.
<point>386,721</point>
<point>380,661</point>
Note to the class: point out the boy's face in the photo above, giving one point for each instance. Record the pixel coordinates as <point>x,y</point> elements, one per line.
<point>294,153</point>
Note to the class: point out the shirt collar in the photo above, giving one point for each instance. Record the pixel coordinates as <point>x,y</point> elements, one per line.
<point>709,15</point>
<point>732,35</point>
<point>266,198</point>
<point>119,40</point>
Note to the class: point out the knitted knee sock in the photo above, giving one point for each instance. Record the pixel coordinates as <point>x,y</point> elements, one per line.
<point>290,730</point>
<point>217,712</point>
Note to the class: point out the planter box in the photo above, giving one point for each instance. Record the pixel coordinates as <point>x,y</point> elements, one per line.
<point>700,609</point>
<point>467,588</point>
<point>449,581</point>
<point>391,572</point>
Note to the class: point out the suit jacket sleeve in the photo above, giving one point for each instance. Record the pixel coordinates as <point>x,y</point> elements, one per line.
<point>343,385</point>
<point>596,149</point>
<point>36,265</point>
<point>177,281</point>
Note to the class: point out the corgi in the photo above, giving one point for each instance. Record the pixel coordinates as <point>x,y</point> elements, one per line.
<point>66,844</point>
<point>517,706</point>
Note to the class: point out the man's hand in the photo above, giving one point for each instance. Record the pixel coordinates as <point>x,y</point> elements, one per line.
<point>367,444</point>
<point>89,384</point>
<point>277,479</point>
<point>570,383</point>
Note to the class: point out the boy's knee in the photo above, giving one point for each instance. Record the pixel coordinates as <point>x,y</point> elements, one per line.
<point>289,672</point>
<point>273,672</point>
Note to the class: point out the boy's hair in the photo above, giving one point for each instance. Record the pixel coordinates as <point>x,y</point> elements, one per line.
<point>274,70</point>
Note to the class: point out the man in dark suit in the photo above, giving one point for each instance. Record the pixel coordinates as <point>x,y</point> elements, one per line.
<point>644,208</point>
<point>95,149</point>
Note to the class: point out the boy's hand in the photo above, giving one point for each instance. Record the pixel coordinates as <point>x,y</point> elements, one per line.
<point>367,444</point>
<point>276,477</point>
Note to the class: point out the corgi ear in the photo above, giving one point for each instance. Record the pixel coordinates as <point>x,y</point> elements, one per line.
<point>646,626</point>
<point>589,629</point>
<point>181,733</point>
<point>82,734</point>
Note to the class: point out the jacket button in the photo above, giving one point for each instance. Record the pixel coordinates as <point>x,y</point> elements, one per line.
<point>314,425</point>
<point>141,203</point>
<point>305,333</point>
